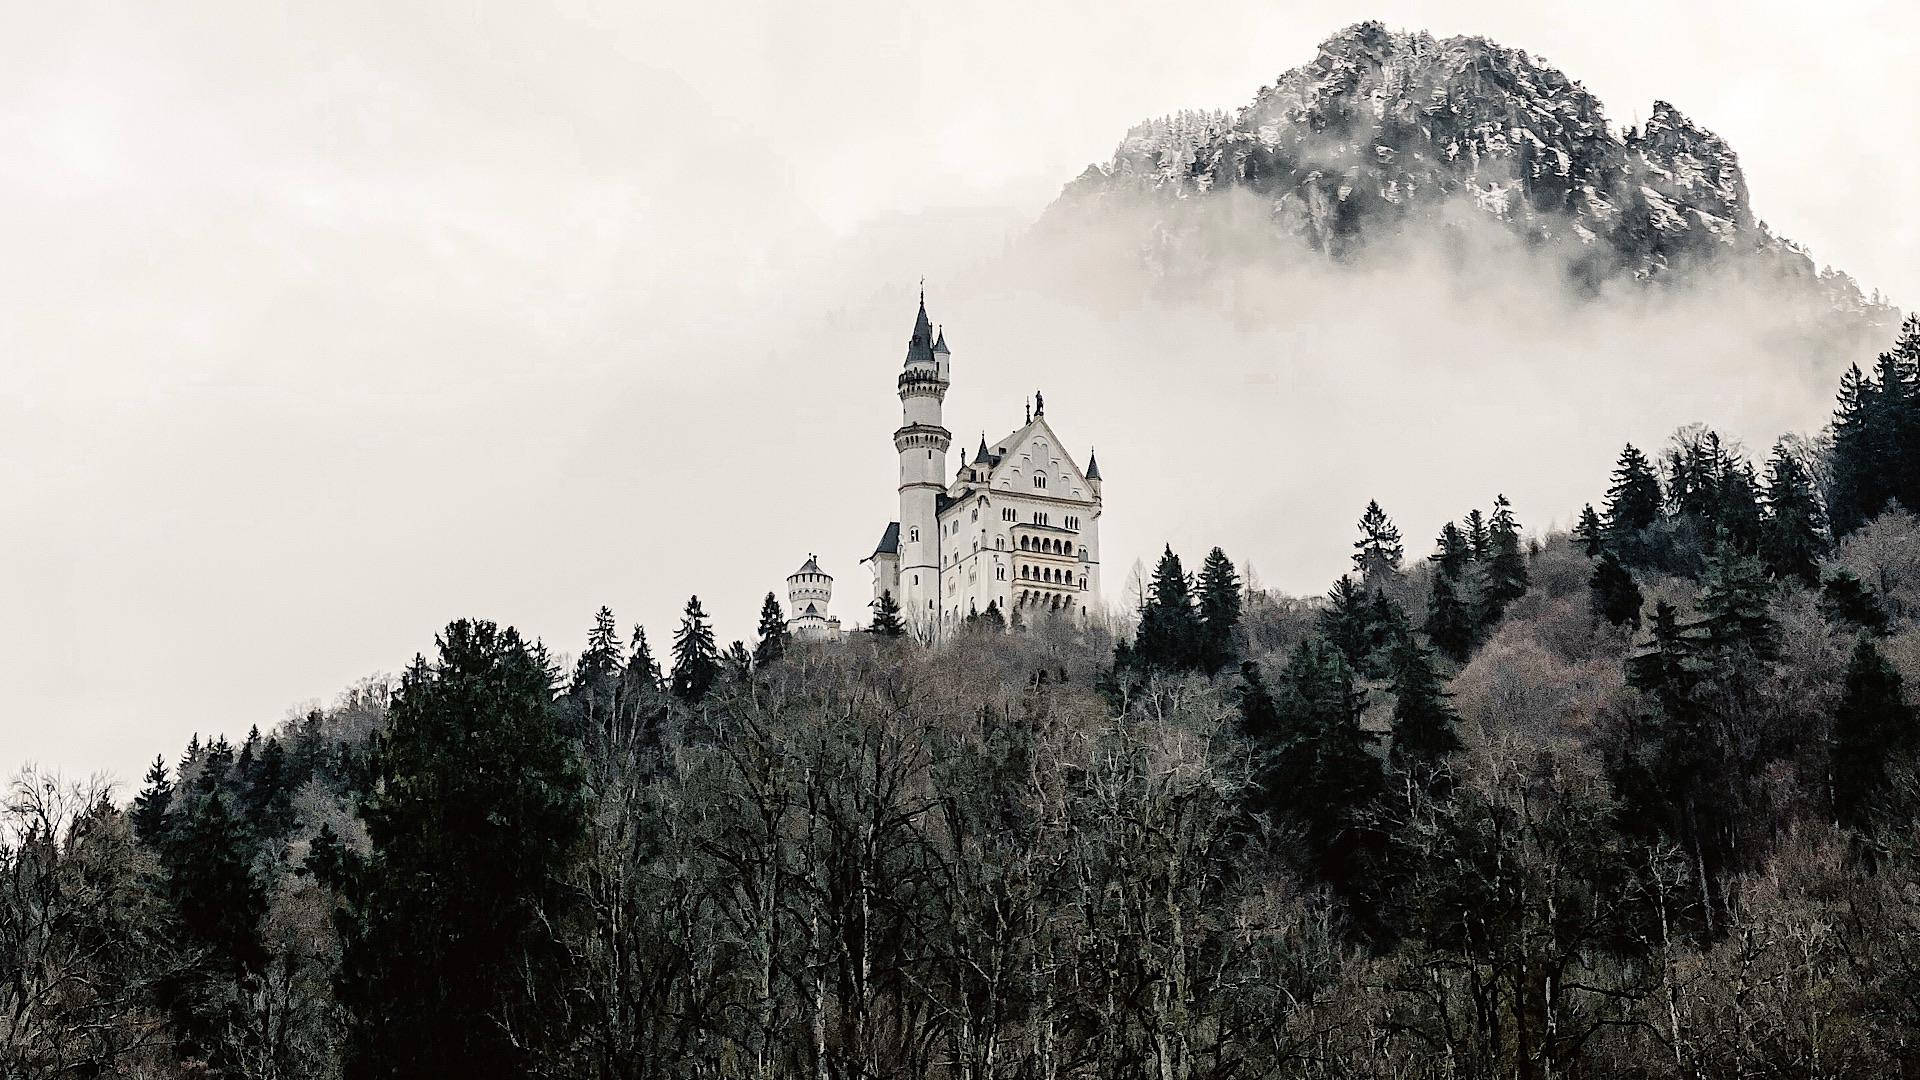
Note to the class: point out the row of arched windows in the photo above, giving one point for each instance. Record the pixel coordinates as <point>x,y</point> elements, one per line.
<point>1049,544</point>
<point>1051,575</point>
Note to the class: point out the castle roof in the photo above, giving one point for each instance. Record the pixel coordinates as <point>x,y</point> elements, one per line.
<point>1093,466</point>
<point>920,345</point>
<point>811,566</point>
<point>889,541</point>
<point>940,343</point>
<point>981,457</point>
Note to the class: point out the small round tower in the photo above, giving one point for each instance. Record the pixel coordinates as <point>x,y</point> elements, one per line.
<point>809,591</point>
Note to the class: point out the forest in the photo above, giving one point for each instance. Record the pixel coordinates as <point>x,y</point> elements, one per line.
<point>1636,800</point>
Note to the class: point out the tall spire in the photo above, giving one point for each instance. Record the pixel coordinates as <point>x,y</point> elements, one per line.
<point>1093,465</point>
<point>920,345</point>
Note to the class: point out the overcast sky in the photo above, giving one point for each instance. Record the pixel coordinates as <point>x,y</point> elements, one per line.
<point>323,324</point>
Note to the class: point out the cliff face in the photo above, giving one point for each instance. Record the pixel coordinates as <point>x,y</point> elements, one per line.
<point>1384,131</point>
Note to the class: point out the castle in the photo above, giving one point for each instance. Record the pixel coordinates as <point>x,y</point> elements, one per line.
<point>809,591</point>
<point>1017,528</point>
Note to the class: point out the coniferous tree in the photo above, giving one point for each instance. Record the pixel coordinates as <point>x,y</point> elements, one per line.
<point>642,670</point>
<point>1506,568</point>
<point>1347,621</point>
<point>1424,725</point>
<point>1872,727</point>
<point>1734,610</point>
<point>1320,770</point>
<point>737,661</point>
<point>1387,623</point>
<point>1479,536</point>
<point>1449,623</point>
<point>1858,453</point>
<point>1590,532</point>
<point>1846,599</point>
<point>150,806</point>
<point>1633,497</point>
<point>991,618</point>
<point>887,622</point>
<point>596,675</point>
<point>696,660</point>
<point>1379,552</point>
<point>1666,669</point>
<point>1876,436</point>
<point>1452,552</point>
<point>772,643</point>
<point>453,962</point>
<point>1220,604</point>
<point>1615,596</point>
<point>1170,636</point>
<point>1259,716</point>
<point>1792,539</point>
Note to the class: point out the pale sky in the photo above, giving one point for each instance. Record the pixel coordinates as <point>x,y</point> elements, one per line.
<point>325,324</point>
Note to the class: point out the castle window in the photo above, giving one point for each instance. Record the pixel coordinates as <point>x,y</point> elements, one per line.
<point>1083,581</point>
<point>913,537</point>
<point>1039,480</point>
<point>1000,573</point>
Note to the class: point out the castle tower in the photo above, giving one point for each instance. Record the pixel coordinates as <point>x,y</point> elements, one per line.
<point>922,444</point>
<point>809,591</point>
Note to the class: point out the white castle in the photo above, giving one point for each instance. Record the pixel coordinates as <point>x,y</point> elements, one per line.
<point>809,591</point>
<point>1017,528</point>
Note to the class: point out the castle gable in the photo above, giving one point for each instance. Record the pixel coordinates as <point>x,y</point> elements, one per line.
<point>1035,449</point>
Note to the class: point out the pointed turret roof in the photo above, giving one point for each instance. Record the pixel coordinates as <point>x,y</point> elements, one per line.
<point>889,541</point>
<point>920,345</point>
<point>1093,465</point>
<point>811,566</point>
<point>940,343</point>
<point>981,456</point>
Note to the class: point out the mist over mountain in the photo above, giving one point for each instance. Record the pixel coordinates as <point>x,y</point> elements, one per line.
<point>1391,141</point>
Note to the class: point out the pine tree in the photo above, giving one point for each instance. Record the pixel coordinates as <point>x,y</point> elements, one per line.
<point>1666,668</point>
<point>1506,567</point>
<point>1615,596</point>
<point>1424,725</point>
<point>1259,716</point>
<point>1633,498</point>
<point>737,662</point>
<point>1170,636</point>
<point>886,616</point>
<point>772,631</point>
<point>1220,604</point>
<point>1320,769</point>
<point>1449,623</point>
<point>1453,552</point>
<point>1872,727</point>
<point>1479,538</point>
<point>642,670</point>
<point>598,668</point>
<point>1378,552</point>
<point>696,661</point>
<point>992,619</point>
<point>1734,605</point>
<point>453,961</point>
<point>1590,533</point>
<point>1846,599</point>
<point>1792,539</point>
<point>150,806</point>
<point>1859,487</point>
<point>1347,621</point>
<point>1387,624</point>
